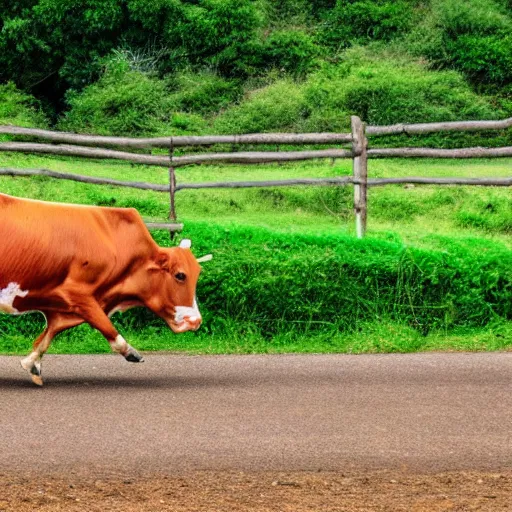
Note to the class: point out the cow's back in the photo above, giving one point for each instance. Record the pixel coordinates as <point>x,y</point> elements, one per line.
<point>43,242</point>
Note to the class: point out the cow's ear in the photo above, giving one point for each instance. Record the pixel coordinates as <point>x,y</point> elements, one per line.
<point>161,262</point>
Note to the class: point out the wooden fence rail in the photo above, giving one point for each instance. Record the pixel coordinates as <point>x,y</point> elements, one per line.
<point>179,141</point>
<point>453,126</point>
<point>256,138</point>
<point>345,180</point>
<point>359,152</point>
<point>251,157</point>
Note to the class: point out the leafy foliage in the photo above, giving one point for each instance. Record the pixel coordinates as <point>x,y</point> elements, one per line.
<point>392,90</point>
<point>473,37</point>
<point>20,109</point>
<point>275,107</point>
<point>379,89</point>
<point>49,47</point>
<point>215,32</point>
<point>358,21</point>
<point>291,51</point>
<point>125,102</point>
<point>52,44</point>
<point>204,92</point>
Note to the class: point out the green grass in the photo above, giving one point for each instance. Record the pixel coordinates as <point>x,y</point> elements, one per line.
<point>369,338</point>
<point>290,227</point>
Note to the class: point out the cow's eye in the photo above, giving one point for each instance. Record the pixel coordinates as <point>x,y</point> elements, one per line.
<point>180,276</point>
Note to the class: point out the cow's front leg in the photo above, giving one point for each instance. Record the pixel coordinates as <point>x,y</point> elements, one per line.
<point>127,351</point>
<point>56,323</point>
<point>96,317</point>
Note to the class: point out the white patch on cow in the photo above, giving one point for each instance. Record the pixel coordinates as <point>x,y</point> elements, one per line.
<point>185,243</point>
<point>31,360</point>
<point>119,345</point>
<point>7,296</point>
<point>184,313</point>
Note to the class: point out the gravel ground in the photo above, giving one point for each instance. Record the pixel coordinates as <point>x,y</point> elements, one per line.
<point>261,492</point>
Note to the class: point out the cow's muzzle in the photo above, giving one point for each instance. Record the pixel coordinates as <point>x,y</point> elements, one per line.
<point>186,325</point>
<point>186,319</point>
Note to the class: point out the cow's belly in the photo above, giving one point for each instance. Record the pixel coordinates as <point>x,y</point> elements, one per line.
<point>124,306</point>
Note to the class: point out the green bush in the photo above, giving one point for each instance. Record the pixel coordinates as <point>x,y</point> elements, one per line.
<point>125,102</point>
<point>20,109</point>
<point>203,92</point>
<point>484,59</point>
<point>478,17</point>
<point>387,91</point>
<point>473,37</point>
<point>358,21</point>
<point>286,13</point>
<point>214,32</point>
<point>54,44</point>
<point>379,88</point>
<point>48,48</point>
<point>284,283</point>
<point>275,107</point>
<point>291,51</point>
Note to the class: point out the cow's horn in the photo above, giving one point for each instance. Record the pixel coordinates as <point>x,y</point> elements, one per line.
<point>202,259</point>
<point>185,243</point>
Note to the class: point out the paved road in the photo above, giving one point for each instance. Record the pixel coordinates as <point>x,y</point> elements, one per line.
<point>335,412</point>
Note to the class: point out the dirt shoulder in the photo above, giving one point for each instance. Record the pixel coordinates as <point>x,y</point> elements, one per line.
<point>214,491</point>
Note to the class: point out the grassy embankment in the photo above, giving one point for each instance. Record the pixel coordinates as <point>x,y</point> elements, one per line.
<point>434,273</point>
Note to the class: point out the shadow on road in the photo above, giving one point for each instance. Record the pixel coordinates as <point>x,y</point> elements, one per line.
<point>150,382</point>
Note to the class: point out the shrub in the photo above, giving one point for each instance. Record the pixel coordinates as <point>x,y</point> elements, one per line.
<point>478,17</point>
<point>57,43</point>
<point>215,32</point>
<point>125,102</point>
<point>473,37</point>
<point>380,88</point>
<point>358,21</point>
<point>291,51</point>
<point>386,91</point>
<point>483,59</point>
<point>286,13</point>
<point>20,109</point>
<point>275,107</point>
<point>203,92</point>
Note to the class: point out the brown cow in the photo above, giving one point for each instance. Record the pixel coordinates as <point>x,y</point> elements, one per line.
<point>80,264</point>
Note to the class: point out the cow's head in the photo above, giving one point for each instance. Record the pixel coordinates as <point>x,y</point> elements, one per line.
<point>173,278</point>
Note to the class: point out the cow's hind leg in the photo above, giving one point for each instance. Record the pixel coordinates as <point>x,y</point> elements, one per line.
<point>56,323</point>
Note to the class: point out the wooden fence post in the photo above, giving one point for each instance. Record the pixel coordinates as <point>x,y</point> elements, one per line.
<point>172,189</point>
<point>360,170</point>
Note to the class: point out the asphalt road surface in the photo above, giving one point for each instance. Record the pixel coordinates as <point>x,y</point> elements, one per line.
<point>425,412</point>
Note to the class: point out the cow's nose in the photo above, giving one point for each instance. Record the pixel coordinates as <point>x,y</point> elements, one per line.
<point>193,321</point>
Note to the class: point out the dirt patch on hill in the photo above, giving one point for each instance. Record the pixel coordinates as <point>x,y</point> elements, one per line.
<point>260,492</point>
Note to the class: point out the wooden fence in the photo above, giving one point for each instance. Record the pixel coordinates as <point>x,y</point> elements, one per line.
<point>91,146</point>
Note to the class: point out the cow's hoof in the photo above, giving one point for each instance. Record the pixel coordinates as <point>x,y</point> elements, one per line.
<point>37,380</point>
<point>133,356</point>
<point>34,368</point>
